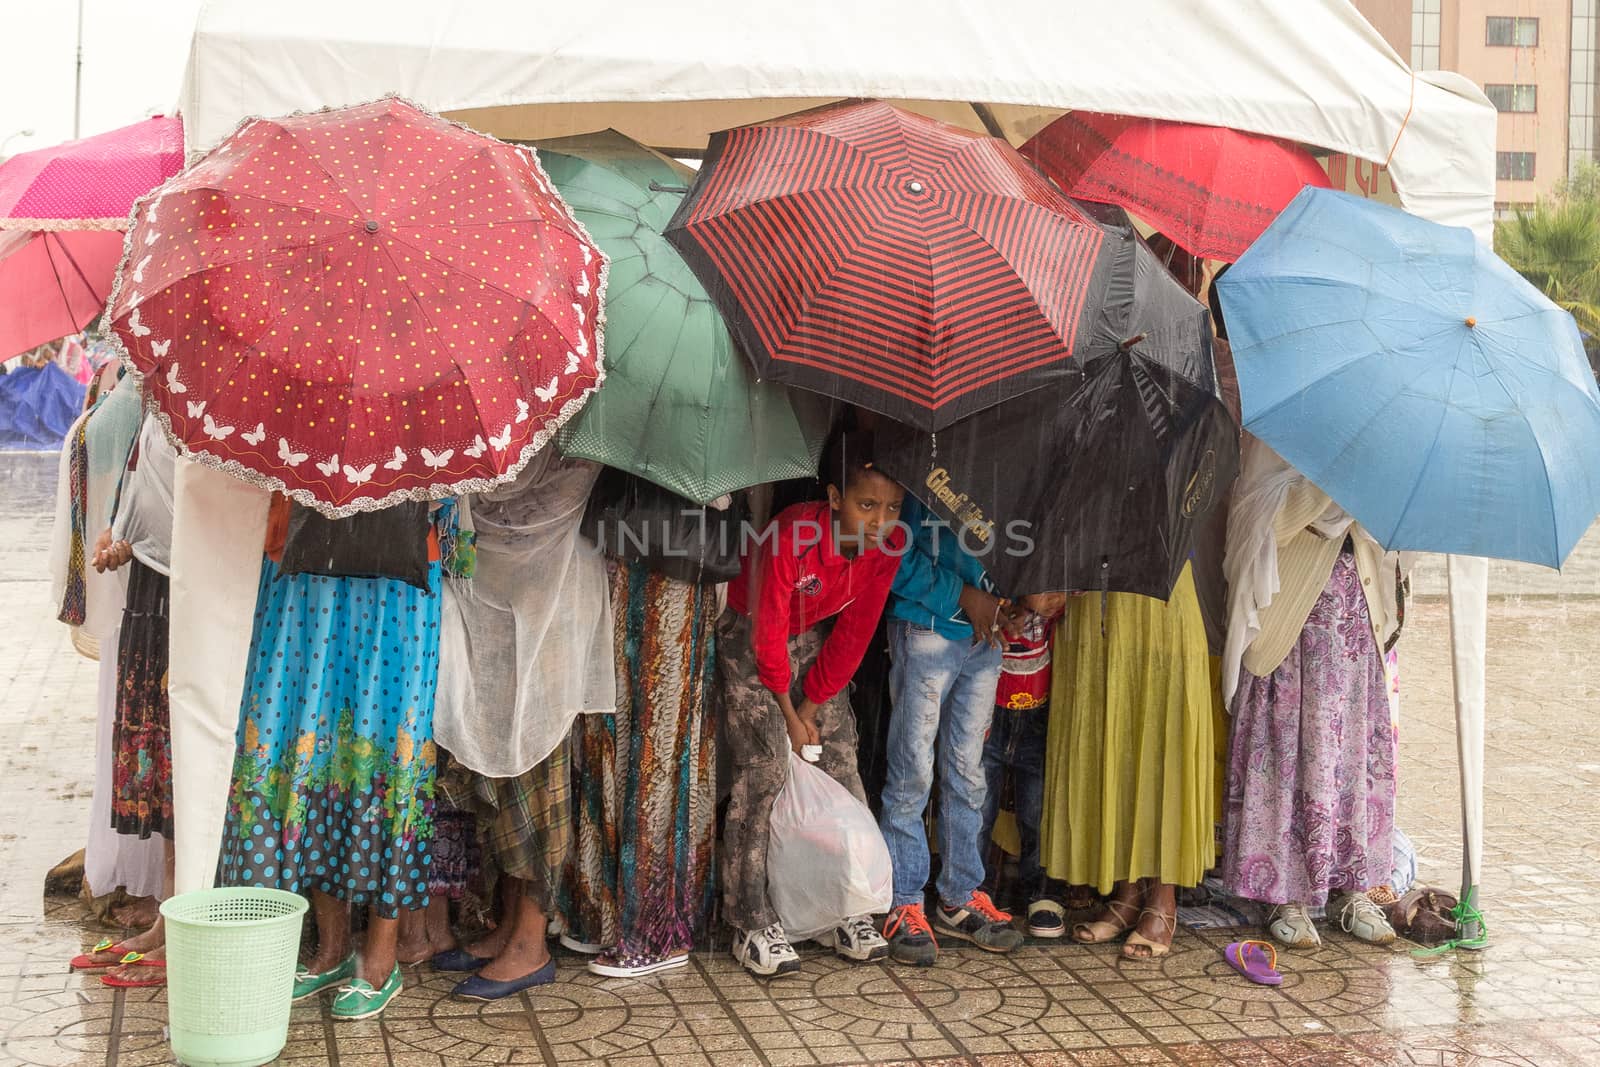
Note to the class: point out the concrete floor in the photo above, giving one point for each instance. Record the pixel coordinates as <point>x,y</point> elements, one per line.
<point>1532,998</point>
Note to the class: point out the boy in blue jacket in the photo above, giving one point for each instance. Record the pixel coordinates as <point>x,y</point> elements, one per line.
<point>945,638</point>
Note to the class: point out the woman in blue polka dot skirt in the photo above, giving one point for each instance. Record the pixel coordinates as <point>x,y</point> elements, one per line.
<point>333,783</point>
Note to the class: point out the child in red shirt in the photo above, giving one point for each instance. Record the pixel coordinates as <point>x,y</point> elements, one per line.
<point>786,677</point>
<point>1013,754</point>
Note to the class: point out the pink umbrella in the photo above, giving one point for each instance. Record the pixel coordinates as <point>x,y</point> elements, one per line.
<point>62,213</point>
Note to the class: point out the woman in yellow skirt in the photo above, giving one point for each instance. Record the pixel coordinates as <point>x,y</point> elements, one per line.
<point>1128,802</point>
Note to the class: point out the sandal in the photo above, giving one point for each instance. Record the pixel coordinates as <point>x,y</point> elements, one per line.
<point>1046,919</point>
<point>1156,949</point>
<point>1249,959</point>
<point>87,962</point>
<point>157,977</point>
<point>1101,931</point>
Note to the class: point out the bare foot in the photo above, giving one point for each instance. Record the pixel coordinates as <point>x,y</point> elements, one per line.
<point>326,958</point>
<point>139,913</point>
<point>492,943</point>
<point>413,946</point>
<point>440,937</point>
<point>134,972</point>
<point>148,942</point>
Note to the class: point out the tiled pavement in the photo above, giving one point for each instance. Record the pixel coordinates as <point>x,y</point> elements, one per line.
<point>1531,998</point>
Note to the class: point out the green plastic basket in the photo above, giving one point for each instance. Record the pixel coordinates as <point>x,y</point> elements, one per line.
<point>231,956</point>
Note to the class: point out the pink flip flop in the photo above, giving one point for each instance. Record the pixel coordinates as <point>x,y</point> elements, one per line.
<point>1248,959</point>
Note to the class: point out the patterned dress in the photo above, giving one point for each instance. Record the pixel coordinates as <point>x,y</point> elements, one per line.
<point>141,800</point>
<point>645,778</point>
<point>333,781</point>
<point>1311,779</point>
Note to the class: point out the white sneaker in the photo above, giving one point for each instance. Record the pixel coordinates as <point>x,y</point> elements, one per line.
<point>1361,918</point>
<point>766,953</point>
<point>856,939</point>
<point>1291,925</point>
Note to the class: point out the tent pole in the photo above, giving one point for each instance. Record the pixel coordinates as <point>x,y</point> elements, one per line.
<point>77,79</point>
<point>1469,610</point>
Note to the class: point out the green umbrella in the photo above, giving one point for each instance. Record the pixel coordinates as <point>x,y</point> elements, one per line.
<point>680,405</point>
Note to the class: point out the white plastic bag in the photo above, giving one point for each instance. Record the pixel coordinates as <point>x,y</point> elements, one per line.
<point>826,860</point>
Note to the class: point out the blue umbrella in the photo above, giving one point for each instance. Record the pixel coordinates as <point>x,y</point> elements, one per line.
<point>1416,378</point>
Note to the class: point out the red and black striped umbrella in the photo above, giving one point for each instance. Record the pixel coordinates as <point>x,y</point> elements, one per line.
<point>892,261</point>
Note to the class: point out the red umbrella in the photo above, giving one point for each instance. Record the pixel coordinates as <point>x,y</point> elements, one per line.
<point>1212,190</point>
<point>362,306</point>
<point>62,210</point>
<point>892,261</point>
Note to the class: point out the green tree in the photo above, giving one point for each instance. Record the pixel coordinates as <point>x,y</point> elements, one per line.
<point>1556,246</point>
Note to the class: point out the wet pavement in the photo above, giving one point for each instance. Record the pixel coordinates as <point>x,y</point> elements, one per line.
<point>1533,997</point>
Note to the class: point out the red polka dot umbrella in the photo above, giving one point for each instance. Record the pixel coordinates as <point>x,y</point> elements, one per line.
<point>362,306</point>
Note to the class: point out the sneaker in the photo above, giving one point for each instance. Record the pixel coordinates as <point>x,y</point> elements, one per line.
<point>585,948</point>
<point>1046,919</point>
<point>910,937</point>
<point>637,965</point>
<point>359,1000</point>
<point>766,953</point>
<point>980,922</point>
<point>1291,925</point>
<point>1361,918</point>
<point>307,984</point>
<point>856,939</point>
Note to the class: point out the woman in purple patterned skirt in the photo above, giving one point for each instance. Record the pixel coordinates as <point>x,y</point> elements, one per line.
<point>1309,804</point>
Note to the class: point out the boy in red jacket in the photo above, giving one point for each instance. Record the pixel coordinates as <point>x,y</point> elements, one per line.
<point>786,676</point>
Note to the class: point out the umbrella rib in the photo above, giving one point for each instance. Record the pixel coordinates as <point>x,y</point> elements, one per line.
<point>55,274</point>
<point>333,183</point>
<point>1000,255</point>
<point>76,269</point>
<point>1433,447</point>
<point>434,329</point>
<point>521,298</point>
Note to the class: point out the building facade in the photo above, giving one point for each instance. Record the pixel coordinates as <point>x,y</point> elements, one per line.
<point>1534,59</point>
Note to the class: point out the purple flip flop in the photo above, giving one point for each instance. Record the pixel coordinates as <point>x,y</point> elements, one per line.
<point>1248,959</point>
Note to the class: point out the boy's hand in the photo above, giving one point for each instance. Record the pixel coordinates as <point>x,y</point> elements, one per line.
<point>984,612</point>
<point>801,724</point>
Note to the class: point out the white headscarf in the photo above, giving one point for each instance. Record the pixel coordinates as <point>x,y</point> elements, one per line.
<point>1251,562</point>
<point>526,644</point>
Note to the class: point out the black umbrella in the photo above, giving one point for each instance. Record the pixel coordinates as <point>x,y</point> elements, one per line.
<point>1096,483</point>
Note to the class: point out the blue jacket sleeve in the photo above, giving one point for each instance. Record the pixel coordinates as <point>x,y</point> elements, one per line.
<point>925,577</point>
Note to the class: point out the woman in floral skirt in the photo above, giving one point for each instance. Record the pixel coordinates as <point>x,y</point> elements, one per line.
<point>1309,807</point>
<point>333,783</point>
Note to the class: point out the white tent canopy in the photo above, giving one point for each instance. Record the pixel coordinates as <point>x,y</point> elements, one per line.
<point>670,74</point>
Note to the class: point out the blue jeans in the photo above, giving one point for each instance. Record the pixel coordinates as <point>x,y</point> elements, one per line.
<point>1016,743</point>
<point>943,694</point>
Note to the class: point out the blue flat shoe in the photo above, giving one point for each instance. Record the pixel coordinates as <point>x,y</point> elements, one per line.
<point>480,988</point>
<point>457,959</point>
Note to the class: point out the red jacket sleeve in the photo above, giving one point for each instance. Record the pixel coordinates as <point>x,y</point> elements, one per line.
<point>837,662</point>
<point>771,595</point>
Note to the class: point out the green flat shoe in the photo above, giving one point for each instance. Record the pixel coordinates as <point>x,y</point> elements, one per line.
<point>307,984</point>
<point>359,1000</point>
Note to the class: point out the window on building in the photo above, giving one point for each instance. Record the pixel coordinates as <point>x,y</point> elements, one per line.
<point>1515,32</point>
<point>1514,166</point>
<point>1513,97</point>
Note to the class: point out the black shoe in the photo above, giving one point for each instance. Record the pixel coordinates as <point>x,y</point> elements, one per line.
<point>980,922</point>
<point>910,938</point>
